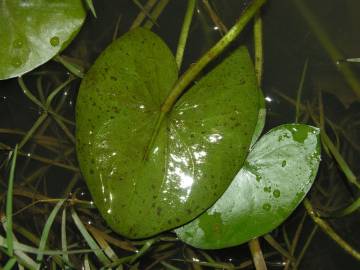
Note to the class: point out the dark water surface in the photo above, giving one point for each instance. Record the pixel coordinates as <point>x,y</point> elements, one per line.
<point>288,42</point>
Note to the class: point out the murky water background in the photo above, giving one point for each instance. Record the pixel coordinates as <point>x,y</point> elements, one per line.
<point>288,42</point>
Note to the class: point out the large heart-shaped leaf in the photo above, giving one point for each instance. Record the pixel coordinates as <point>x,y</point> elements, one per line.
<point>276,175</point>
<point>199,147</point>
<point>33,31</point>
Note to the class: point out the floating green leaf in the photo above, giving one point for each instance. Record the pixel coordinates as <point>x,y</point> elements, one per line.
<point>199,147</point>
<point>33,31</point>
<point>276,175</point>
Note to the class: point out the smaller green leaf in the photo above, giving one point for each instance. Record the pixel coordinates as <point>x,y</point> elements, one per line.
<point>277,174</point>
<point>34,31</point>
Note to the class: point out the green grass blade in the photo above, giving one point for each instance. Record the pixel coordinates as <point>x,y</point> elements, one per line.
<point>28,249</point>
<point>46,230</point>
<point>90,5</point>
<point>65,256</point>
<point>141,16</point>
<point>350,176</point>
<point>89,240</point>
<point>9,205</point>
<point>10,264</point>
<point>28,94</point>
<point>300,89</point>
<point>73,68</point>
<point>35,126</point>
<point>86,263</point>
<point>144,10</point>
<point>169,266</point>
<point>355,205</point>
<point>56,91</point>
<point>156,13</point>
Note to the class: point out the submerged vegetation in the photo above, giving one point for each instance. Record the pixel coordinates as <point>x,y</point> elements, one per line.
<point>49,220</point>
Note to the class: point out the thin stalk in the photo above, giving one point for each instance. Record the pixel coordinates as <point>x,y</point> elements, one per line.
<point>257,254</point>
<point>112,240</point>
<point>300,89</point>
<point>90,5</point>
<point>56,91</point>
<point>64,247</point>
<point>28,94</point>
<point>258,44</point>
<point>116,30</point>
<point>89,240</point>
<point>46,231</point>
<point>141,7</point>
<point>295,240</point>
<point>184,32</point>
<point>330,231</point>
<point>156,13</point>
<point>215,18</point>
<point>333,52</point>
<point>306,246</point>
<point>33,129</point>
<point>350,176</point>
<point>214,52</point>
<point>73,68</point>
<point>65,129</point>
<point>9,204</point>
<point>272,242</point>
<point>286,237</point>
<point>142,15</point>
<point>297,235</point>
<point>352,207</point>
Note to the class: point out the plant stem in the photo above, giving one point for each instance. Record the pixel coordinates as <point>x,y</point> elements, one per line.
<point>258,44</point>
<point>350,176</point>
<point>272,242</point>
<point>300,89</point>
<point>215,18</point>
<point>142,15</point>
<point>305,247</point>
<point>334,54</point>
<point>257,254</point>
<point>144,10</point>
<point>156,13</point>
<point>329,231</point>
<point>352,207</point>
<point>9,204</point>
<point>195,69</point>
<point>214,52</point>
<point>184,32</point>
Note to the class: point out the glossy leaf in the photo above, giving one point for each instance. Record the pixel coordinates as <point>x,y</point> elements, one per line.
<point>199,147</point>
<point>277,174</point>
<point>33,31</point>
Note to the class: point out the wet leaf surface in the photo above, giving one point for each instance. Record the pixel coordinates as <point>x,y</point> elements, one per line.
<point>276,176</point>
<point>199,148</point>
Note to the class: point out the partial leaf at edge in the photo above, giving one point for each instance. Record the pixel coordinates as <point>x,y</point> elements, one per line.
<point>277,174</point>
<point>32,32</point>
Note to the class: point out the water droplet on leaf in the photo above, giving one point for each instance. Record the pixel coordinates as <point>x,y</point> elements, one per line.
<point>266,206</point>
<point>276,193</point>
<point>16,62</point>
<point>18,43</point>
<point>55,41</point>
